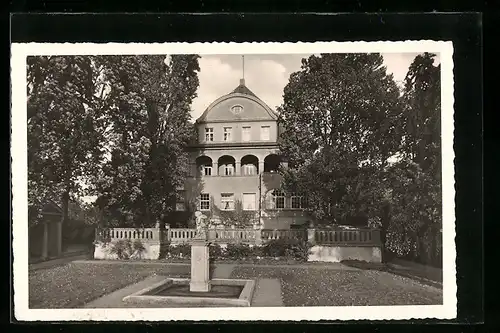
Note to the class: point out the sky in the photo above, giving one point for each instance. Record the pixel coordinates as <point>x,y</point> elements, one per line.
<point>265,75</point>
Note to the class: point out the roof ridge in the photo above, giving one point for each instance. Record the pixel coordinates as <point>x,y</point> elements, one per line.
<point>243,89</point>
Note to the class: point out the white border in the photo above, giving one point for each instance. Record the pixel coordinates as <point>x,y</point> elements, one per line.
<point>20,199</point>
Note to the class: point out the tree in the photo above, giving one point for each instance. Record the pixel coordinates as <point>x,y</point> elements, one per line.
<point>237,217</point>
<point>150,113</point>
<point>339,121</point>
<point>415,214</point>
<point>65,127</point>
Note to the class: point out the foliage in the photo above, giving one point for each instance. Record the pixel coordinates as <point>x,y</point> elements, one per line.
<point>216,251</point>
<point>339,120</point>
<point>149,114</point>
<point>111,126</point>
<point>84,212</point>
<point>238,251</point>
<point>238,217</point>
<point>65,128</point>
<point>138,246</point>
<point>122,249</point>
<point>179,251</point>
<point>415,180</point>
<point>288,248</point>
<point>125,248</point>
<point>415,210</point>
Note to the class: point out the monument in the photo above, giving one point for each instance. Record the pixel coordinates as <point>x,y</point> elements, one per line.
<point>200,257</point>
<point>199,289</point>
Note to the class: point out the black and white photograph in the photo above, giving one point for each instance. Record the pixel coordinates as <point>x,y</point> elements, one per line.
<point>206,181</point>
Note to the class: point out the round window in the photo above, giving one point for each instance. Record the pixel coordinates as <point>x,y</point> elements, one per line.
<point>237,109</point>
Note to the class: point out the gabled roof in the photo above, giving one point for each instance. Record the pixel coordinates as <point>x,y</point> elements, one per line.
<point>51,207</point>
<point>253,107</point>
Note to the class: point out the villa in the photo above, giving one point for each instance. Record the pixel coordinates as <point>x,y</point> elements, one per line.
<point>234,163</point>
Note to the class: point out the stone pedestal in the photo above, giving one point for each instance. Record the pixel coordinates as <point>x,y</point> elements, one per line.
<point>200,266</point>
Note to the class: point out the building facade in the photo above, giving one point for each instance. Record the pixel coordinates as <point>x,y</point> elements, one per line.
<point>234,164</point>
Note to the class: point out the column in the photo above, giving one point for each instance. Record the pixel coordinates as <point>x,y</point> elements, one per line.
<point>238,169</point>
<point>215,169</point>
<point>261,166</point>
<point>45,241</point>
<point>166,235</point>
<point>258,236</point>
<point>59,238</point>
<point>376,236</point>
<point>311,236</point>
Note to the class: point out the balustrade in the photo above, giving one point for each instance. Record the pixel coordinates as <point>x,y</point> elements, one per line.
<point>362,237</point>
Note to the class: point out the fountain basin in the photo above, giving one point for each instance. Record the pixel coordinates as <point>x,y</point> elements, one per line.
<point>171,291</point>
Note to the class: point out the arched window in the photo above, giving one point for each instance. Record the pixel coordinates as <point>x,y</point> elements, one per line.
<point>249,165</point>
<point>226,165</point>
<point>272,163</point>
<point>204,166</point>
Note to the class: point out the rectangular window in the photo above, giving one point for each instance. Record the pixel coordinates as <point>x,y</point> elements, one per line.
<point>179,205</point>
<point>297,201</point>
<point>245,133</point>
<point>207,170</point>
<point>279,200</point>
<point>227,133</point>
<point>248,201</point>
<point>249,170</point>
<point>265,133</point>
<point>209,134</point>
<point>204,201</point>
<point>228,170</point>
<point>227,201</point>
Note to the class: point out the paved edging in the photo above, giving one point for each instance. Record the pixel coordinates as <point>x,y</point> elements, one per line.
<point>420,279</point>
<point>334,266</point>
<point>267,293</point>
<point>57,262</point>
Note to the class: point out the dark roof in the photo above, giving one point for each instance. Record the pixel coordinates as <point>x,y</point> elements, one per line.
<point>243,89</point>
<point>51,207</point>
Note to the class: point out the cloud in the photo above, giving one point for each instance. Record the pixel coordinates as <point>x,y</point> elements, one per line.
<point>266,75</point>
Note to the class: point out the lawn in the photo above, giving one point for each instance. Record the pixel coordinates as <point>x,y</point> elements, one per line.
<point>325,287</point>
<point>75,284</point>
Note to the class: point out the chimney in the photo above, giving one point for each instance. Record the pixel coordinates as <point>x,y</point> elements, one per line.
<point>242,82</point>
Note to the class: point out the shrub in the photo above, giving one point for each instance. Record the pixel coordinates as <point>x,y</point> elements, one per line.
<point>216,251</point>
<point>288,248</point>
<point>276,248</point>
<point>256,251</point>
<point>180,251</point>
<point>238,251</point>
<point>138,247</point>
<point>123,249</point>
<point>299,251</point>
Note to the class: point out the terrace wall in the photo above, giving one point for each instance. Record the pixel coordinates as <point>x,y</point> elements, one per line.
<point>332,245</point>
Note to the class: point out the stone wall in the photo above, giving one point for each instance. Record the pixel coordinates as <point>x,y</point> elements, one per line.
<point>332,245</point>
<point>329,253</point>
